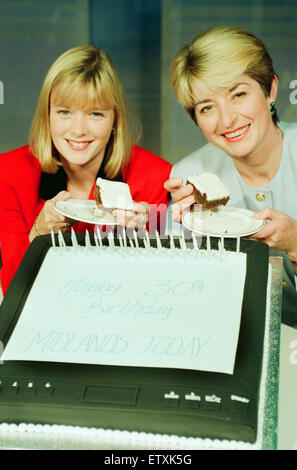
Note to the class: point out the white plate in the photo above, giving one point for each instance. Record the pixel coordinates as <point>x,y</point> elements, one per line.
<point>84,210</point>
<point>223,222</point>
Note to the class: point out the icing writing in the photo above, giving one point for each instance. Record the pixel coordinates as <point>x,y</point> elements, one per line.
<point>56,341</point>
<point>174,346</point>
<point>89,289</point>
<point>170,288</point>
<point>154,311</point>
<point>106,298</point>
<point>135,308</point>
<point>82,287</point>
<point>62,341</point>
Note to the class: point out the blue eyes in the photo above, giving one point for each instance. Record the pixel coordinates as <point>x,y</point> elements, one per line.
<point>63,112</point>
<point>66,113</point>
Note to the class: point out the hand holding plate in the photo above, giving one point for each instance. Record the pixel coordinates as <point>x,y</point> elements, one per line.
<point>49,219</point>
<point>280,231</point>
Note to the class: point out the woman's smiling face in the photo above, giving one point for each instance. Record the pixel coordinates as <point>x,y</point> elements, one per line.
<point>237,119</point>
<point>80,132</point>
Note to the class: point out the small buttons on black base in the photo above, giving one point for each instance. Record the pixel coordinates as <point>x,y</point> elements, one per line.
<point>171,399</point>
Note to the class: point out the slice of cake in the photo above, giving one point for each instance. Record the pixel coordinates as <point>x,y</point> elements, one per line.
<point>209,190</point>
<point>112,194</point>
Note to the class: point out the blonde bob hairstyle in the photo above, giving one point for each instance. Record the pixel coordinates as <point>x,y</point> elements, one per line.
<point>216,58</point>
<point>89,69</point>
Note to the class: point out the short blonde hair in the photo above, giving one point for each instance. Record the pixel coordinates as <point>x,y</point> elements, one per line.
<point>217,57</point>
<point>91,69</point>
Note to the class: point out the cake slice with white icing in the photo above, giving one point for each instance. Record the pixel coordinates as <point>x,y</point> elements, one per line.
<point>209,190</point>
<point>112,194</point>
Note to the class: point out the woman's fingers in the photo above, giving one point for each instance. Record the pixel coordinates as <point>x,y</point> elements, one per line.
<point>135,218</point>
<point>182,197</point>
<point>173,184</point>
<point>178,208</point>
<point>180,194</point>
<point>49,219</point>
<point>280,231</point>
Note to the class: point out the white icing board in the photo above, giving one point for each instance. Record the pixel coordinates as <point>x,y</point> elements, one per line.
<point>133,307</point>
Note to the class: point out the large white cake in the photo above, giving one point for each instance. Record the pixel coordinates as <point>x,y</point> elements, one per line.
<point>159,340</point>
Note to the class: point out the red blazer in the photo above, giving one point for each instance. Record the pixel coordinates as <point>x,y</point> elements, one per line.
<point>20,200</point>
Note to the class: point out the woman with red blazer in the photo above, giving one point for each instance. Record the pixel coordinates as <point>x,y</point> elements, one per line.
<point>80,131</point>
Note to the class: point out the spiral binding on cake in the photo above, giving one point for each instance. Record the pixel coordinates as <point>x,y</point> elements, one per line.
<point>133,242</point>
